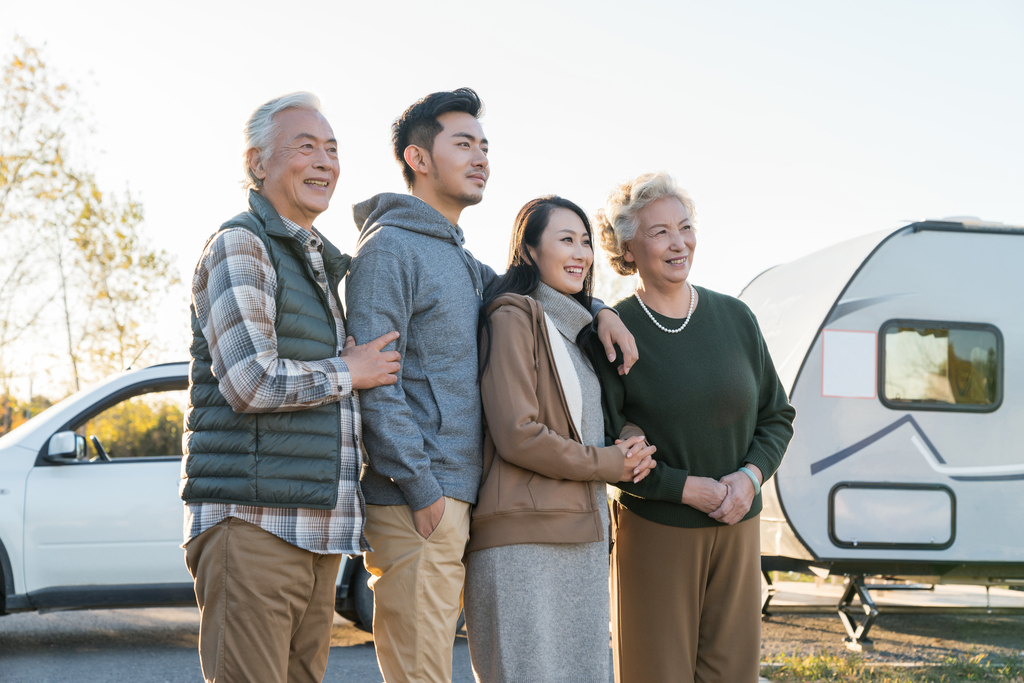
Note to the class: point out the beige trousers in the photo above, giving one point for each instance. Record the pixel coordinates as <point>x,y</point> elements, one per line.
<point>686,603</point>
<point>417,590</point>
<point>265,606</point>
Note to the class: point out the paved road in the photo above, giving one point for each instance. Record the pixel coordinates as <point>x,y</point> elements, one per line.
<point>159,645</point>
<point>151,646</point>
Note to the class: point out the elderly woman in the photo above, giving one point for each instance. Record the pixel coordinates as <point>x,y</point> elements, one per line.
<point>686,560</point>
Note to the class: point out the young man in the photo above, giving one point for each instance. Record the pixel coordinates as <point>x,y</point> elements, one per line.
<point>423,435</point>
<point>272,430</point>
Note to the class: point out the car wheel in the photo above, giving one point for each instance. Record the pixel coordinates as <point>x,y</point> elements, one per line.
<point>362,597</point>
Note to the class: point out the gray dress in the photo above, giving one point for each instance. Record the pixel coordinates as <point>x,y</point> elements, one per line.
<point>538,612</point>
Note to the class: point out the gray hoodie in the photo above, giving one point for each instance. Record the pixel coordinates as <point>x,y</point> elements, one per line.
<point>423,435</point>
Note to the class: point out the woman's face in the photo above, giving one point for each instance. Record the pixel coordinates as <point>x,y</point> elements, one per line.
<point>564,255</point>
<point>663,246</point>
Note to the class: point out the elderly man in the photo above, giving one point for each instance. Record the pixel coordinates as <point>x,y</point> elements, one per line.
<point>272,432</point>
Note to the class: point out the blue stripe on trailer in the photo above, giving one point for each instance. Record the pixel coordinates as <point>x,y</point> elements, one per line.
<point>825,463</point>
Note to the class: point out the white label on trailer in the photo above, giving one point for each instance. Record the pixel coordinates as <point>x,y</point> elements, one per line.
<point>849,364</point>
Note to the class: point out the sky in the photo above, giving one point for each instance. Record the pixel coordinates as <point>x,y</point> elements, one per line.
<point>793,124</point>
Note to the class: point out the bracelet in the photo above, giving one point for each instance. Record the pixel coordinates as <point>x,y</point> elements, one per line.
<point>753,478</point>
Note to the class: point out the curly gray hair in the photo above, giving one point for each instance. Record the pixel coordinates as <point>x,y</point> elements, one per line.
<point>260,130</point>
<point>617,222</point>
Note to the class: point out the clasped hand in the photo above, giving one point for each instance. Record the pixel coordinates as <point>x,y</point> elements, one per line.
<point>726,500</point>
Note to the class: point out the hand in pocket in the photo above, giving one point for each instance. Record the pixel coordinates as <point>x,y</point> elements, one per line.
<point>427,519</point>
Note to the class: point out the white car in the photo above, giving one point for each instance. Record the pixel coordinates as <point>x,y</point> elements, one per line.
<point>81,528</point>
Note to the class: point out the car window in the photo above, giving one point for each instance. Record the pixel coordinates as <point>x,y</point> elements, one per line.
<point>143,426</point>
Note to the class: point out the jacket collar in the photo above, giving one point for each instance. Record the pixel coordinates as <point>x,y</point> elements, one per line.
<point>335,262</point>
<point>265,211</point>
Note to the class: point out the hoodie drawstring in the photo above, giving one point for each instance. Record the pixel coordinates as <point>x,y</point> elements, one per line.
<point>474,273</point>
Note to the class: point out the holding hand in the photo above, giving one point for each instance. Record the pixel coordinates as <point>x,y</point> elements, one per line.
<point>704,493</point>
<point>741,495</point>
<point>638,462</point>
<point>368,365</point>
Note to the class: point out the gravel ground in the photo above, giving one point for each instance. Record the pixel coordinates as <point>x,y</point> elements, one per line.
<point>897,637</point>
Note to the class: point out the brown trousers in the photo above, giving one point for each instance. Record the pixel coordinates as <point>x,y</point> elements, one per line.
<point>686,603</point>
<point>265,606</point>
<point>417,590</point>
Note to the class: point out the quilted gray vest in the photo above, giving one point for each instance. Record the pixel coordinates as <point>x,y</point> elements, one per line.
<point>290,459</point>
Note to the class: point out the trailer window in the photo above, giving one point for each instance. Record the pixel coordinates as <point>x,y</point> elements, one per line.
<point>941,366</point>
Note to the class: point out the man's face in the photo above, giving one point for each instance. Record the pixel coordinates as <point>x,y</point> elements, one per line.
<point>459,159</point>
<point>300,175</point>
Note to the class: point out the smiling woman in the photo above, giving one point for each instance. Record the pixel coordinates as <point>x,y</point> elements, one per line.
<point>564,253</point>
<point>538,554</point>
<point>709,398</point>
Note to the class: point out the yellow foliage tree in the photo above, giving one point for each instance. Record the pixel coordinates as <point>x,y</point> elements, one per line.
<point>65,240</point>
<point>140,427</point>
<point>34,113</point>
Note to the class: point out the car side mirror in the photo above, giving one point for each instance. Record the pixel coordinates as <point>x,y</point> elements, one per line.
<point>65,448</point>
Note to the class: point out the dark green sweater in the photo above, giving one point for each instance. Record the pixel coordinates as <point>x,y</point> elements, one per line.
<point>707,397</point>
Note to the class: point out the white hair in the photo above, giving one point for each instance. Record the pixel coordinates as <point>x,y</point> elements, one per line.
<point>260,129</point>
<point>618,221</point>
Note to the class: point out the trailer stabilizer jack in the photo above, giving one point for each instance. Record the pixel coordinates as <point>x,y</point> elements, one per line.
<point>857,640</point>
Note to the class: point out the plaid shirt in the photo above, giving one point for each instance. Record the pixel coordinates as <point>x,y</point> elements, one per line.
<point>233,291</point>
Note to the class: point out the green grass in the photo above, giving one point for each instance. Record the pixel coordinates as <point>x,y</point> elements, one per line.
<point>793,576</point>
<point>826,668</point>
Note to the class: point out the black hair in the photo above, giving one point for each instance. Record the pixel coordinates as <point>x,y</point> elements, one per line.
<point>418,125</point>
<point>523,275</point>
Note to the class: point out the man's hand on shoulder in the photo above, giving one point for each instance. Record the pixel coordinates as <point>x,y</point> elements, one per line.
<point>369,365</point>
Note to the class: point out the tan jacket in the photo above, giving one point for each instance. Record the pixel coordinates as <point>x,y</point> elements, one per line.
<point>538,478</point>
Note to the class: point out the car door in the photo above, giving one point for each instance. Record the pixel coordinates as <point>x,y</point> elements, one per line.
<point>111,523</point>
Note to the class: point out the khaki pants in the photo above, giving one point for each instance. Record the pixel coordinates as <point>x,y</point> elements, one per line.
<point>686,603</point>
<point>417,590</point>
<point>265,606</point>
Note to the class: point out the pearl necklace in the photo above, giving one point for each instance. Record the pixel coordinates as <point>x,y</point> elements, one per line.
<point>689,314</point>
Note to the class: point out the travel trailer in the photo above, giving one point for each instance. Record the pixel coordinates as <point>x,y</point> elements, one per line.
<point>903,353</point>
